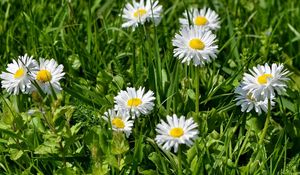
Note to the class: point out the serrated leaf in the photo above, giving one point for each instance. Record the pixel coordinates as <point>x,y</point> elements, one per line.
<point>66,111</point>
<point>43,149</point>
<point>119,144</point>
<point>15,154</point>
<point>75,128</point>
<point>36,121</point>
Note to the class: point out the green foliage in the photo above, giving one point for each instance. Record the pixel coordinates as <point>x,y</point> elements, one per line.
<point>67,135</point>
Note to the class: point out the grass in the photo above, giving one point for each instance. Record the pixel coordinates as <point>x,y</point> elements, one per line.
<point>100,58</point>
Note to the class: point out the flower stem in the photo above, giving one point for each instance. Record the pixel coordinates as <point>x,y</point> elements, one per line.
<point>266,123</point>
<point>179,160</point>
<point>197,90</point>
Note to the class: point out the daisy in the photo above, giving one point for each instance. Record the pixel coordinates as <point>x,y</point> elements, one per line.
<point>195,44</point>
<point>120,121</point>
<point>248,102</point>
<point>135,101</point>
<point>176,131</point>
<point>265,80</point>
<point>17,77</point>
<point>48,75</point>
<point>201,18</point>
<point>139,12</point>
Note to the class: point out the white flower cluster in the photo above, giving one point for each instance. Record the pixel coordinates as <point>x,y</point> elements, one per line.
<point>132,103</point>
<point>129,105</point>
<point>261,85</point>
<point>22,72</point>
<point>140,12</point>
<point>196,42</point>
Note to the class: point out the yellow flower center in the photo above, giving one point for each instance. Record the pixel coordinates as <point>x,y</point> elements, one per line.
<point>19,73</point>
<point>118,123</point>
<point>176,132</point>
<point>196,44</point>
<point>139,13</point>
<point>44,76</point>
<point>200,21</point>
<point>263,79</point>
<point>134,102</point>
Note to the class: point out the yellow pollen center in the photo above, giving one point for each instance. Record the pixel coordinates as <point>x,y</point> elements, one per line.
<point>176,132</point>
<point>263,79</point>
<point>134,102</point>
<point>44,76</point>
<point>200,21</point>
<point>139,13</point>
<point>196,44</point>
<point>19,73</point>
<point>118,123</point>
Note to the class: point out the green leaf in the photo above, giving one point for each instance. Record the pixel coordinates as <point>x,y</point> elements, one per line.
<point>255,124</point>
<point>148,172</point>
<point>45,149</point>
<point>119,81</point>
<point>74,61</point>
<point>36,121</point>
<point>119,144</point>
<point>15,154</point>
<point>287,104</point>
<point>66,171</point>
<point>50,145</point>
<point>157,160</point>
<point>75,128</point>
<point>191,94</point>
<point>191,153</point>
<point>66,111</point>
<point>112,161</point>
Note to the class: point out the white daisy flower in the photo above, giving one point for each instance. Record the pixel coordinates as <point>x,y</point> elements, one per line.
<point>135,101</point>
<point>48,75</point>
<point>195,44</point>
<point>248,102</point>
<point>139,12</point>
<point>17,78</point>
<point>120,121</point>
<point>201,18</point>
<point>265,80</point>
<point>175,132</point>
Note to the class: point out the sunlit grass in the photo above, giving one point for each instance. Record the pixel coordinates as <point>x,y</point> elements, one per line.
<point>67,134</point>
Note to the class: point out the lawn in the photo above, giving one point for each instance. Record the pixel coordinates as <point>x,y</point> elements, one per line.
<point>105,98</point>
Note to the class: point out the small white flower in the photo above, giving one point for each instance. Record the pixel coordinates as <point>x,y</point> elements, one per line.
<point>48,75</point>
<point>265,80</point>
<point>139,12</point>
<point>202,18</point>
<point>175,132</point>
<point>248,102</point>
<point>120,121</point>
<point>135,101</point>
<point>17,78</point>
<point>195,44</point>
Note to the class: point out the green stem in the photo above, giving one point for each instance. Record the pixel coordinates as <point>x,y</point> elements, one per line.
<point>197,90</point>
<point>179,161</point>
<point>137,146</point>
<point>266,123</point>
